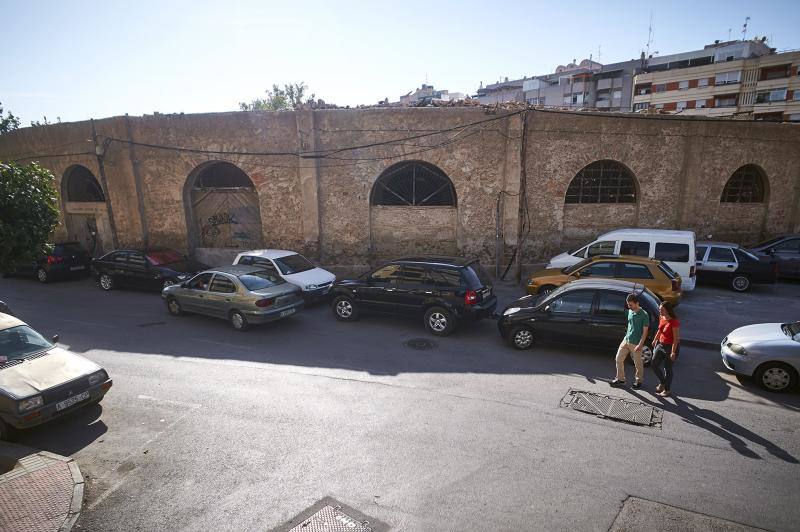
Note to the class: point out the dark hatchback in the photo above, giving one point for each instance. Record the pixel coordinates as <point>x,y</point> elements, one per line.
<point>728,264</point>
<point>151,268</point>
<point>786,251</point>
<point>67,260</point>
<point>444,291</point>
<point>585,312</point>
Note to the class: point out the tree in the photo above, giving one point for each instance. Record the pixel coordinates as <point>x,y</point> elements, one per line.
<point>289,98</point>
<point>7,123</point>
<point>28,213</point>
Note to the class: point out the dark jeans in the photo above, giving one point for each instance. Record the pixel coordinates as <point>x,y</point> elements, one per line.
<point>661,355</point>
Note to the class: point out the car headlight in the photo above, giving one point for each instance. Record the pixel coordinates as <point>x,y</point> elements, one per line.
<point>182,277</point>
<point>510,311</point>
<point>310,287</point>
<point>97,377</point>
<point>31,403</point>
<point>738,349</point>
<point>531,282</point>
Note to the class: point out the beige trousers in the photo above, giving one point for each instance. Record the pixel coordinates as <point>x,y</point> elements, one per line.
<point>624,350</point>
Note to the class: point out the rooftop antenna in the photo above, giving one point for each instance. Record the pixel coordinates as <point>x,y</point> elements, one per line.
<point>744,29</point>
<point>729,33</point>
<point>599,52</point>
<point>649,35</point>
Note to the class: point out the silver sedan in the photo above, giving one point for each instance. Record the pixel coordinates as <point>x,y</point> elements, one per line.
<point>769,352</point>
<point>244,295</point>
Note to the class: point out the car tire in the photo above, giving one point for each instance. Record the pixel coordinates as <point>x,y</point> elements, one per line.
<point>238,321</point>
<point>546,289</point>
<point>41,275</point>
<point>5,431</point>
<point>174,307</point>
<point>521,337</point>
<point>345,309</point>
<point>740,283</point>
<point>647,357</point>
<point>439,321</point>
<point>775,377</point>
<point>106,282</point>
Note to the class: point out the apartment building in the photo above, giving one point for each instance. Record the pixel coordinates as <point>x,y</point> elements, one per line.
<point>427,93</point>
<point>739,79</point>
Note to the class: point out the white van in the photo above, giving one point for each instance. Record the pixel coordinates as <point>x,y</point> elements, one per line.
<point>675,248</point>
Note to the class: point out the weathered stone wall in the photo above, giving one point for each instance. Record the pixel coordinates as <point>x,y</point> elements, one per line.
<point>321,205</point>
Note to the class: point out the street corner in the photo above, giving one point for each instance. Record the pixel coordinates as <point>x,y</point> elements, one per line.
<point>39,491</point>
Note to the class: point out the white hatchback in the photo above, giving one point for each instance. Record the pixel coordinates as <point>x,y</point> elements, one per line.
<point>293,268</point>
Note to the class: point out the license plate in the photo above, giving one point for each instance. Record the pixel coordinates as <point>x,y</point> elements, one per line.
<point>287,312</point>
<point>76,268</point>
<point>66,403</point>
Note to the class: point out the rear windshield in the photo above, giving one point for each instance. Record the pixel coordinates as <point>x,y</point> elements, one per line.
<point>742,255</point>
<point>672,252</point>
<point>73,248</point>
<point>476,276</point>
<point>259,280</point>
<point>19,342</point>
<point>672,274</point>
<point>767,242</point>
<point>293,264</point>
<point>575,267</point>
<point>164,256</point>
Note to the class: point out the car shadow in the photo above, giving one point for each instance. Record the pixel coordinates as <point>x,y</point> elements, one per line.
<point>66,435</point>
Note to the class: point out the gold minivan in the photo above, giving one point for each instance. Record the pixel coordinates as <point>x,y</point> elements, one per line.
<point>654,274</point>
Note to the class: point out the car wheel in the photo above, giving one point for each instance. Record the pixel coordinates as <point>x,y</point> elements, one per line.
<point>167,283</point>
<point>740,283</point>
<point>521,337</point>
<point>106,281</point>
<point>238,321</point>
<point>546,289</point>
<point>5,431</point>
<point>174,306</point>
<point>775,377</point>
<point>345,309</point>
<point>41,275</point>
<point>439,321</point>
<point>647,355</point>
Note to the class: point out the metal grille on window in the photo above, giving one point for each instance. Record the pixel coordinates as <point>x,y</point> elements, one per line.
<point>413,184</point>
<point>746,185</point>
<point>602,182</point>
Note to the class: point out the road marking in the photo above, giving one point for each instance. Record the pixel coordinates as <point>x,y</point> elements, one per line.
<point>92,323</point>
<point>168,401</point>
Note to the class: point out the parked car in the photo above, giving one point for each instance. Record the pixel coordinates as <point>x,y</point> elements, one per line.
<point>68,259</point>
<point>728,264</point>
<point>586,312</point>
<point>768,352</point>
<point>39,380</point>
<point>786,250</point>
<point>294,268</point>
<point>444,291</point>
<point>654,274</point>
<point>675,248</point>
<point>245,295</point>
<point>150,268</point>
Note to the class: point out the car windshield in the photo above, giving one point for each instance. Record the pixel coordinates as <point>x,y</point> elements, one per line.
<point>575,267</point>
<point>791,330</point>
<point>164,256</point>
<point>293,264</point>
<point>19,342</point>
<point>259,280</point>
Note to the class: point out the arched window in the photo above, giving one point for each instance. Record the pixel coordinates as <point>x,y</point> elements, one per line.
<point>81,185</point>
<point>602,182</point>
<point>746,185</point>
<point>413,183</point>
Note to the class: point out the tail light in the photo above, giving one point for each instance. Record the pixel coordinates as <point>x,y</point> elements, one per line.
<point>265,302</point>
<point>691,271</point>
<point>53,259</point>
<point>471,297</point>
<point>676,285</point>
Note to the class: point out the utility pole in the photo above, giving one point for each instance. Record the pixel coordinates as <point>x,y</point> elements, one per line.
<point>100,151</point>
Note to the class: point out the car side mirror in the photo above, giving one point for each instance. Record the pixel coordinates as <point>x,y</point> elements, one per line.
<point>771,251</point>
<point>55,338</point>
<point>547,309</point>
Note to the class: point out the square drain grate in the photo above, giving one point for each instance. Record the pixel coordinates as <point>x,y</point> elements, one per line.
<point>617,408</point>
<point>329,515</point>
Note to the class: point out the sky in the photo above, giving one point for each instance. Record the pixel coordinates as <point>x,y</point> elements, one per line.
<point>78,60</point>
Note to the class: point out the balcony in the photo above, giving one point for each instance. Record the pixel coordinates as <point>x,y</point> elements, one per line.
<point>775,72</point>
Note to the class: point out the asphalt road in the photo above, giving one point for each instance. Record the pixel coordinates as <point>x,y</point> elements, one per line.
<point>207,428</point>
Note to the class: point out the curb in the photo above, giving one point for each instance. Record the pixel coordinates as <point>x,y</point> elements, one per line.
<point>714,346</point>
<point>20,453</point>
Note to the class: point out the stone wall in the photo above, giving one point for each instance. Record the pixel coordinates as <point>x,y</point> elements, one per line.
<point>321,205</point>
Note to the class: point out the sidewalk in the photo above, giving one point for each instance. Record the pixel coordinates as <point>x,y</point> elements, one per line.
<point>39,491</point>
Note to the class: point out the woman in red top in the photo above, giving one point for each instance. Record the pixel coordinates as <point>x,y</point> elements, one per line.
<point>665,347</point>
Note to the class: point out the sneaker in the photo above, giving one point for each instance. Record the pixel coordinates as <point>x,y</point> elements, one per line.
<point>637,385</point>
<point>660,388</point>
<point>617,383</point>
<point>664,393</point>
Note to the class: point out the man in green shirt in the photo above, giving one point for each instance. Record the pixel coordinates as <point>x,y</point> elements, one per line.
<point>633,343</point>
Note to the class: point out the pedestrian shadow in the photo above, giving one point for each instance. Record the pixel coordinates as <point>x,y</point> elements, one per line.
<point>715,423</point>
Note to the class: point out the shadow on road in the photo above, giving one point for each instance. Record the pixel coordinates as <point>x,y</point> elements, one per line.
<point>67,435</point>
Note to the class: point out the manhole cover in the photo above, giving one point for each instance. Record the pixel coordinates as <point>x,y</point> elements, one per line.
<point>421,344</point>
<point>329,515</point>
<point>617,408</point>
